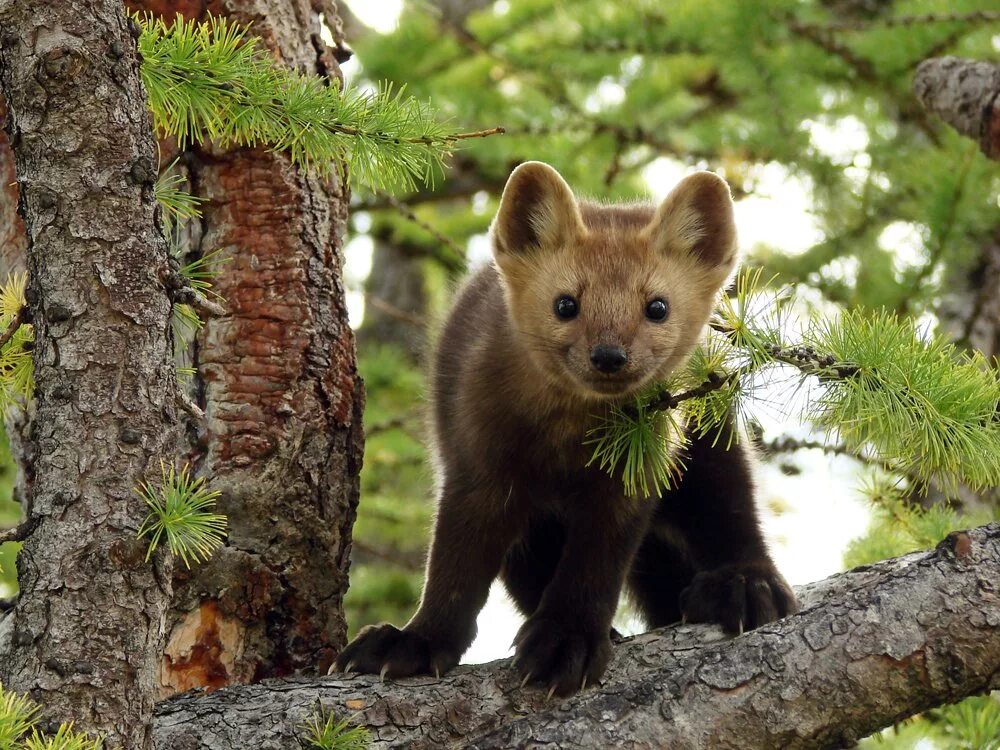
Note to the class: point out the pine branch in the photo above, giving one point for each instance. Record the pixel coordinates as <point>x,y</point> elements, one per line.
<point>20,532</point>
<point>920,407</point>
<point>209,81</point>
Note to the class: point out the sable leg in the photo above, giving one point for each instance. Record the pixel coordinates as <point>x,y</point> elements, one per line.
<point>470,538</point>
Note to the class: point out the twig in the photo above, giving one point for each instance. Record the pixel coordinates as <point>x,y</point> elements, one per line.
<point>454,261</point>
<point>386,425</point>
<point>190,296</point>
<point>980,16</point>
<point>804,358</point>
<point>20,318</point>
<point>189,406</point>
<point>20,532</point>
<point>394,312</point>
<point>943,236</point>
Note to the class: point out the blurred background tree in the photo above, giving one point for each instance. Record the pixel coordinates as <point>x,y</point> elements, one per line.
<point>847,189</point>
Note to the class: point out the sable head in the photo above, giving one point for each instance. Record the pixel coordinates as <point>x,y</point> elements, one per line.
<point>608,298</point>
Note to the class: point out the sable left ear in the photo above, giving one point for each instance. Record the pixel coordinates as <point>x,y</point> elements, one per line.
<point>697,219</point>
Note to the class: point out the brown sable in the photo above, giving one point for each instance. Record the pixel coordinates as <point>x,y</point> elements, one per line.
<point>584,305</point>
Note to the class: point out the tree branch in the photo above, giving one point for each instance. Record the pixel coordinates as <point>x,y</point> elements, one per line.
<point>16,322</point>
<point>966,95</point>
<point>868,648</point>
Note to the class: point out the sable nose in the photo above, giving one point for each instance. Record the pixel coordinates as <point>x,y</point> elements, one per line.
<point>608,357</point>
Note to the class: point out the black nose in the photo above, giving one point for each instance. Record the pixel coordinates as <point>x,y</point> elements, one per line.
<point>608,358</point>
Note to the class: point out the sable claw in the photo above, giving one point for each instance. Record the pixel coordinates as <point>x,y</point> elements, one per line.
<point>437,672</point>
<point>583,685</point>
<point>552,690</point>
<point>740,629</point>
<point>684,618</point>
<point>349,667</point>
<point>384,672</point>
<point>525,680</point>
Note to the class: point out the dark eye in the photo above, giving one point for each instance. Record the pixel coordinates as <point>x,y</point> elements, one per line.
<point>657,309</point>
<point>566,307</point>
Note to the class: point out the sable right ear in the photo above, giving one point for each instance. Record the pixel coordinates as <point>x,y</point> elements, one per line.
<point>537,210</point>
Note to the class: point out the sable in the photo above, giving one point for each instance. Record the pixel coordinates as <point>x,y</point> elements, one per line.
<point>585,305</point>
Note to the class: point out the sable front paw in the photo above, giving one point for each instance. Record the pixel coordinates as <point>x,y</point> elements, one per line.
<point>561,654</point>
<point>390,652</point>
<point>740,597</point>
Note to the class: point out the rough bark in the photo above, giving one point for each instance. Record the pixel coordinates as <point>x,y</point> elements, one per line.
<point>869,647</point>
<point>966,95</point>
<point>278,384</point>
<point>104,407</point>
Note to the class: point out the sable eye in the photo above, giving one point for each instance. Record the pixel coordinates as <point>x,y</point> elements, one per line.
<point>566,307</point>
<point>657,310</point>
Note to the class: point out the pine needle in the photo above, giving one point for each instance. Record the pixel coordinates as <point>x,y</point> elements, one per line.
<point>179,512</point>
<point>209,81</point>
<point>18,716</point>
<point>325,732</point>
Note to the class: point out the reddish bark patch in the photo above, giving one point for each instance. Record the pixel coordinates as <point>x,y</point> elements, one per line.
<point>201,650</point>
<point>13,239</point>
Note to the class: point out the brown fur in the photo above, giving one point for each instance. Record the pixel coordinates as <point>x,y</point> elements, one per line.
<point>515,393</point>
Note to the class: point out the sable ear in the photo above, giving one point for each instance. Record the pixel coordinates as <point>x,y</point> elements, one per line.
<point>697,219</point>
<point>537,210</point>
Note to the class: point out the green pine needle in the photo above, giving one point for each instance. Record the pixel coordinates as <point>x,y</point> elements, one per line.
<point>210,81</point>
<point>18,716</point>
<point>909,401</point>
<point>642,444</point>
<point>920,404</point>
<point>179,511</point>
<point>326,733</point>
<point>64,739</point>
<point>17,375</point>
<point>177,204</point>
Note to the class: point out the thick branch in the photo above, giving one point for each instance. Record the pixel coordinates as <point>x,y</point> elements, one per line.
<point>868,648</point>
<point>966,95</point>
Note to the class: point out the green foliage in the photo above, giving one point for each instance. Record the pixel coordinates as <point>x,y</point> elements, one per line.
<point>325,732</point>
<point>180,512</point>
<point>209,81</point>
<point>390,532</point>
<point>899,526</point>
<point>642,444</point>
<point>913,401</point>
<point>926,407</point>
<point>178,205</point>
<point>64,739</point>
<point>17,381</point>
<point>973,724</point>
<point>18,717</point>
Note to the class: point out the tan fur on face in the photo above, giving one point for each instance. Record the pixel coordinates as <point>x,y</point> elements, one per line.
<point>613,260</point>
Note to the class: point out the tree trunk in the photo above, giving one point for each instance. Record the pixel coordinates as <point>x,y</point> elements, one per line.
<point>277,380</point>
<point>869,647</point>
<point>85,635</point>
